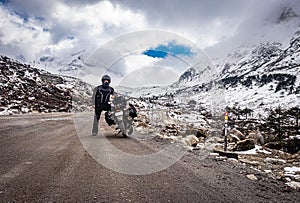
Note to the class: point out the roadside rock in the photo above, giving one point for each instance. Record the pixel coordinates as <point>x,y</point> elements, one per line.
<point>254,163</point>
<point>235,132</point>
<point>274,145</point>
<point>251,177</point>
<point>274,161</point>
<point>171,129</point>
<point>191,140</point>
<point>198,132</point>
<point>291,145</point>
<point>142,118</point>
<point>213,154</point>
<point>257,137</point>
<point>142,124</point>
<point>233,138</point>
<point>244,145</point>
<point>220,158</point>
<point>293,184</point>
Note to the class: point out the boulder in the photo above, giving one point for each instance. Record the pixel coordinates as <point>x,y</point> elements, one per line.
<point>293,184</point>
<point>233,138</point>
<point>254,163</point>
<point>202,132</point>
<point>191,140</point>
<point>274,161</point>
<point>198,132</point>
<point>257,137</point>
<point>142,124</point>
<point>142,118</point>
<point>25,109</point>
<point>171,129</point>
<point>170,126</point>
<point>274,145</point>
<point>291,145</point>
<point>244,145</point>
<point>251,177</point>
<point>235,135</point>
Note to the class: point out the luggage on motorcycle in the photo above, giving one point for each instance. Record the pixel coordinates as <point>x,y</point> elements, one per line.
<point>119,101</point>
<point>132,111</point>
<point>109,119</point>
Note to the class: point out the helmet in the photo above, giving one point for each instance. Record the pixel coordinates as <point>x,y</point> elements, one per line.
<point>106,77</point>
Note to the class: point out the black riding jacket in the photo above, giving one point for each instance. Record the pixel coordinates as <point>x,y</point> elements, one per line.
<point>101,95</point>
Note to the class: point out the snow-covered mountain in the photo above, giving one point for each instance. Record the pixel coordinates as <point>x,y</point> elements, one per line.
<point>269,73</point>
<point>197,74</point>
<point>25,89</point>
<point>72,65</point>
<point>261,72</point>
<point>261,77</point>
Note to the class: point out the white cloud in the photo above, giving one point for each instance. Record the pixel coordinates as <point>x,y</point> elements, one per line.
<point>97,17</point>
<point>94,24</point>
<point>61,47</point>
<point>136,62</point>
<point>24,37</point>
<point>150,76</point>
<point>90,25</point>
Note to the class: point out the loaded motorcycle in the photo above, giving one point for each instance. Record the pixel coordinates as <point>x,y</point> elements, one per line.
<point>120,116</point>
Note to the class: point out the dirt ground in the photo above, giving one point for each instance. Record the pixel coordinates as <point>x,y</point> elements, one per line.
<point>43,160</point>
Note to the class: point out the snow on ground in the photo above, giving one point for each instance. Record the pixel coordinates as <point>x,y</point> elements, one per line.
<point>257,149</point>
<point>293,169</point>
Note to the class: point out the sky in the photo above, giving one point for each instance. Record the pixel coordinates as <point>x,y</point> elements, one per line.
<point>30,29</point>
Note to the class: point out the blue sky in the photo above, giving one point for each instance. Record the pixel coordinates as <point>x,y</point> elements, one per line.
<point>172,48</point>
<point>4,1</point>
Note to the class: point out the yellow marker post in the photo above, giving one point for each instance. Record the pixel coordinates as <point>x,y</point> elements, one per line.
<point>226,117</point>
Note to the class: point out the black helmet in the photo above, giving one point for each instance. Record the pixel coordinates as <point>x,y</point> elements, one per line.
<point>106,77</point>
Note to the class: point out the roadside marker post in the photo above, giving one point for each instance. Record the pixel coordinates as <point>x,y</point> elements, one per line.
<point>225,130</point>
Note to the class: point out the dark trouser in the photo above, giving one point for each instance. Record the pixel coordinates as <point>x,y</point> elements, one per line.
<point>98,111</point>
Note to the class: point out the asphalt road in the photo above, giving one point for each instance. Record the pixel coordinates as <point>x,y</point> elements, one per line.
<point>42,159</point>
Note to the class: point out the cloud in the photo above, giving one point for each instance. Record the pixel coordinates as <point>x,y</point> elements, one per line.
<point>22,37</point>
<point>208,23</point>
<point>94,22</point>
<point>48,25</point>
<point>149,76</point>
<point>205,22</point>
<point>262,26</point>
<point>34,28</point>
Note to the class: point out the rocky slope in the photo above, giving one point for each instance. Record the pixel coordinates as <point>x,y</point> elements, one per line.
<point>25,89</point>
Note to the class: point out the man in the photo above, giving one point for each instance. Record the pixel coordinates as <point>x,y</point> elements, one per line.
<point>100,98</point>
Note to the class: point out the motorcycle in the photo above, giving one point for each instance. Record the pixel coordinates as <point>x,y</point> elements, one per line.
<point>120,116</point>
